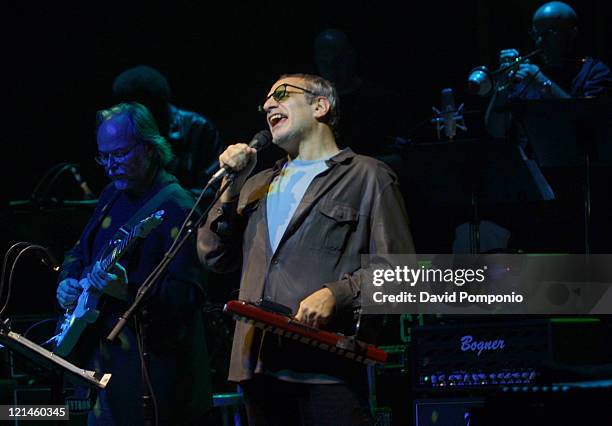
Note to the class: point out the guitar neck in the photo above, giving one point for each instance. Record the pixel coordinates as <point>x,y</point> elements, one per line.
<point>118,251</point>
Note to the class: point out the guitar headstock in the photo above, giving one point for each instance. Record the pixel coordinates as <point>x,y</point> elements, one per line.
<point>148,224</point>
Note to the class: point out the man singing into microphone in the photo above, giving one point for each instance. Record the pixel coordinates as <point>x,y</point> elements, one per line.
<point>299,230</point>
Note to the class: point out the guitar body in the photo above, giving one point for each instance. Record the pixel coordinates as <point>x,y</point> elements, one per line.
<point>86,311</point>
<point>76,320</point>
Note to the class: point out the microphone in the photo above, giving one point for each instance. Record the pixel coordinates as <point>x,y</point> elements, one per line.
<point>449,117</point>
<point>261,140</point>
<point>50,260</point>
<point>87,193</point>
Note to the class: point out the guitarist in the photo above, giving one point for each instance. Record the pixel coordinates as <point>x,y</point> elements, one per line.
<point>299,230</point>
<point>134,155</point>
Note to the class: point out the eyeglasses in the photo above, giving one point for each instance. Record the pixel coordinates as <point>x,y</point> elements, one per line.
<point>281,93</point>
<point>536,34</point>
<point>118,155</point>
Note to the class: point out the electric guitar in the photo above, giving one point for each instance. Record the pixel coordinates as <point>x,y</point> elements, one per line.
<point>86,310</point>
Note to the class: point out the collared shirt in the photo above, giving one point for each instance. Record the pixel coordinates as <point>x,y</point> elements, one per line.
<point>351,209</point>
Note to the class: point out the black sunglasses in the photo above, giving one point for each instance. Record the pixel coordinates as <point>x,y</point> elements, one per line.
<point>281,93</point>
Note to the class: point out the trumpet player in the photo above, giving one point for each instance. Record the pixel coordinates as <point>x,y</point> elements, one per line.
<point>555,72</point>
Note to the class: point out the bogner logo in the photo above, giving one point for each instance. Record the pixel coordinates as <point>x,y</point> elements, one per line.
<point>479,346</point>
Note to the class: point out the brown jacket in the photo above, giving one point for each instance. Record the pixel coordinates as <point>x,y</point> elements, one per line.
<point>351,209</point>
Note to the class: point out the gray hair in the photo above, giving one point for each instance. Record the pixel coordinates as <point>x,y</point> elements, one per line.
<point>325,88</point>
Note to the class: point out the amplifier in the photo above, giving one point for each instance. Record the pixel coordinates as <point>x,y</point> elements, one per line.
<point>561,404</point>
<point>468,355</point>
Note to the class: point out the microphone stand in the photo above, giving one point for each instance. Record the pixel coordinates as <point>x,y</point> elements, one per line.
<point>188,228</point>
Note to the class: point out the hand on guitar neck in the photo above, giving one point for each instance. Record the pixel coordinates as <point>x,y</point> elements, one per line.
<point>113,283</point>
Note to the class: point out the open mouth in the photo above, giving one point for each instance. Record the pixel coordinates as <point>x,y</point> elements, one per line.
<point>276,119</point>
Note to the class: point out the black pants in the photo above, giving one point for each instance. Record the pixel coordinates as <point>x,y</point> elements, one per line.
<point>270,401</point>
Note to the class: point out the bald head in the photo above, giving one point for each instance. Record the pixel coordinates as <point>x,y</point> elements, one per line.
<point>554,30</point>
<point>118,126</point>
<point>555,14</point>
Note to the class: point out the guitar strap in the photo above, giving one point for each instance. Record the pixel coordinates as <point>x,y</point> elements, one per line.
<point>149,207</point>
<point>146,210</point>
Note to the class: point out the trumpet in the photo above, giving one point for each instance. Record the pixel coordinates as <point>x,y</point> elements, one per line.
<point>482,81</point>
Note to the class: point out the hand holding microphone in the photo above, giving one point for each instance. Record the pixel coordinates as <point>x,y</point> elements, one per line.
<point>240,159</point>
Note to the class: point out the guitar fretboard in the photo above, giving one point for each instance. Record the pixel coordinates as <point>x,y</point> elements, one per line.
<point>117,251</point>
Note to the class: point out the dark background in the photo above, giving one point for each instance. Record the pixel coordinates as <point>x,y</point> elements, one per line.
<point>59,62</point>
<point>221,57</point>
